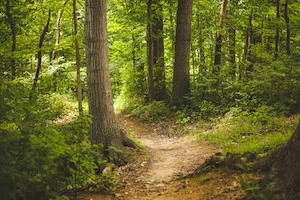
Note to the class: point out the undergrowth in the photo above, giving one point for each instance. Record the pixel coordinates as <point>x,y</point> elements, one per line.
<point>152,112</point>
<point>42,155</point>
<point>240,131</point>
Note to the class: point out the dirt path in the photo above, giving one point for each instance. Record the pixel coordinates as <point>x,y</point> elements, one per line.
<point>158,175</point>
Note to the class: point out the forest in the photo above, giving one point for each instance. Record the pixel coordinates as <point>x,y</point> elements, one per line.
<point>150,99</point>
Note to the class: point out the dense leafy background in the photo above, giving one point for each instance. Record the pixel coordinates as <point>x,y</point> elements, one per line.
<point>44,148</point>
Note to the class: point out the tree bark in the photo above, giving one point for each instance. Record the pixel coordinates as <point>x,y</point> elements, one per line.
<point>133,50</point>
<point>181,75</point>
<point>39,65</point>
<point>172,34</point>
<point>78,80</point>
<point>277,38</point>
<point>288,29</point>
<point>232,52</point>
<point>201,42</point>
<point>156,70</point>
<point>293,160</point>
<point>219,39</point>
<point>232,41</point>
<point>193,65</point>
<point>104,128</point>
<point>11,22</point>
<point>57,39</point>
<point>158,52</point>
<point>289,166</point>
<point>285,162</point>
<point>150,52</point>
<point>247,40</point>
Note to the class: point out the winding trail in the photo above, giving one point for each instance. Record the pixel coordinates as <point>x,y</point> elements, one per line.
<point>159,174</point>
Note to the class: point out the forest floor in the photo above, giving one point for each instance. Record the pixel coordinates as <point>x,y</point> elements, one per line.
<point>161,171</point>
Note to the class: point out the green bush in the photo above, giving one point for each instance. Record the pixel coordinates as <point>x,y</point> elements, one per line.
<point>154,111</point>
<point>40,158</point>
<point>275,84</point>
<point>45,160</point>
<point>242,131</point>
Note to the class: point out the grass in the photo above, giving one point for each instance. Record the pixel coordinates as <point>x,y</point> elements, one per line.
<point>244,133</point>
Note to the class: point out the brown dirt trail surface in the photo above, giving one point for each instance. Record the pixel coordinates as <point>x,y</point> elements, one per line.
<point>159,174</point>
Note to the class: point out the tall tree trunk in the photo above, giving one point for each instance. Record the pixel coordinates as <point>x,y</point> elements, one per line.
<point>158,52</point>
<point>193,64</point>
<point>262,30</point>
<point>181,75</point>
<point>150,52</point>
<point>212,48</point>
<point>219,39</point>
<point>247,38</point>
<point>201,43</point>
<point>232,52</point>
<point>78,80</point>
<point>13,37</point>
<point>288,29</point>
<point>57,39</point>
<point>232,41</point>
<point>172,34</point>
<point>133,50</point>
<point>277,39</point>
<point>39,65</point>
<point>104,128</point>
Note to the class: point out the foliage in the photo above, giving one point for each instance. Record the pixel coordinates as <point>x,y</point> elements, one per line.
<point>154,111</point>
<point>240,131</point>
<point>182,117</point>
<point>254,191</point>
<point>247,106</point>
<point>39,156</point>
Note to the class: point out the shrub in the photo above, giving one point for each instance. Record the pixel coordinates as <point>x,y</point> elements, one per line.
<point>242,131</point>
<point>40,158</point>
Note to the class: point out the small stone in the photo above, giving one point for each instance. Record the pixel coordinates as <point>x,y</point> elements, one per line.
<point>118,195</point>
<point>107,170</point>
<point>234,184</point>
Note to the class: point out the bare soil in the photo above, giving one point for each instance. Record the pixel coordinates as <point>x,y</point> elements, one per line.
<point>161,172</point>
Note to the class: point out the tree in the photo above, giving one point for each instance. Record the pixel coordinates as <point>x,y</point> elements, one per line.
<point>290,158</point>
<point>13,28</point>
<point>59,16</point>
<point>156,70</point>
<point>104,128</point>
<point>79,87</point>
<point>232,38</point>
<point>158,52</point>
<point>150,51</point>
<point>181,74</point>
<point>39,65</point>
<point>288,29</point>
<point>247,38</point>
<point>219,39</point>
<point>277,38</point>
<point>201,42</point>
<point>172,31</point>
